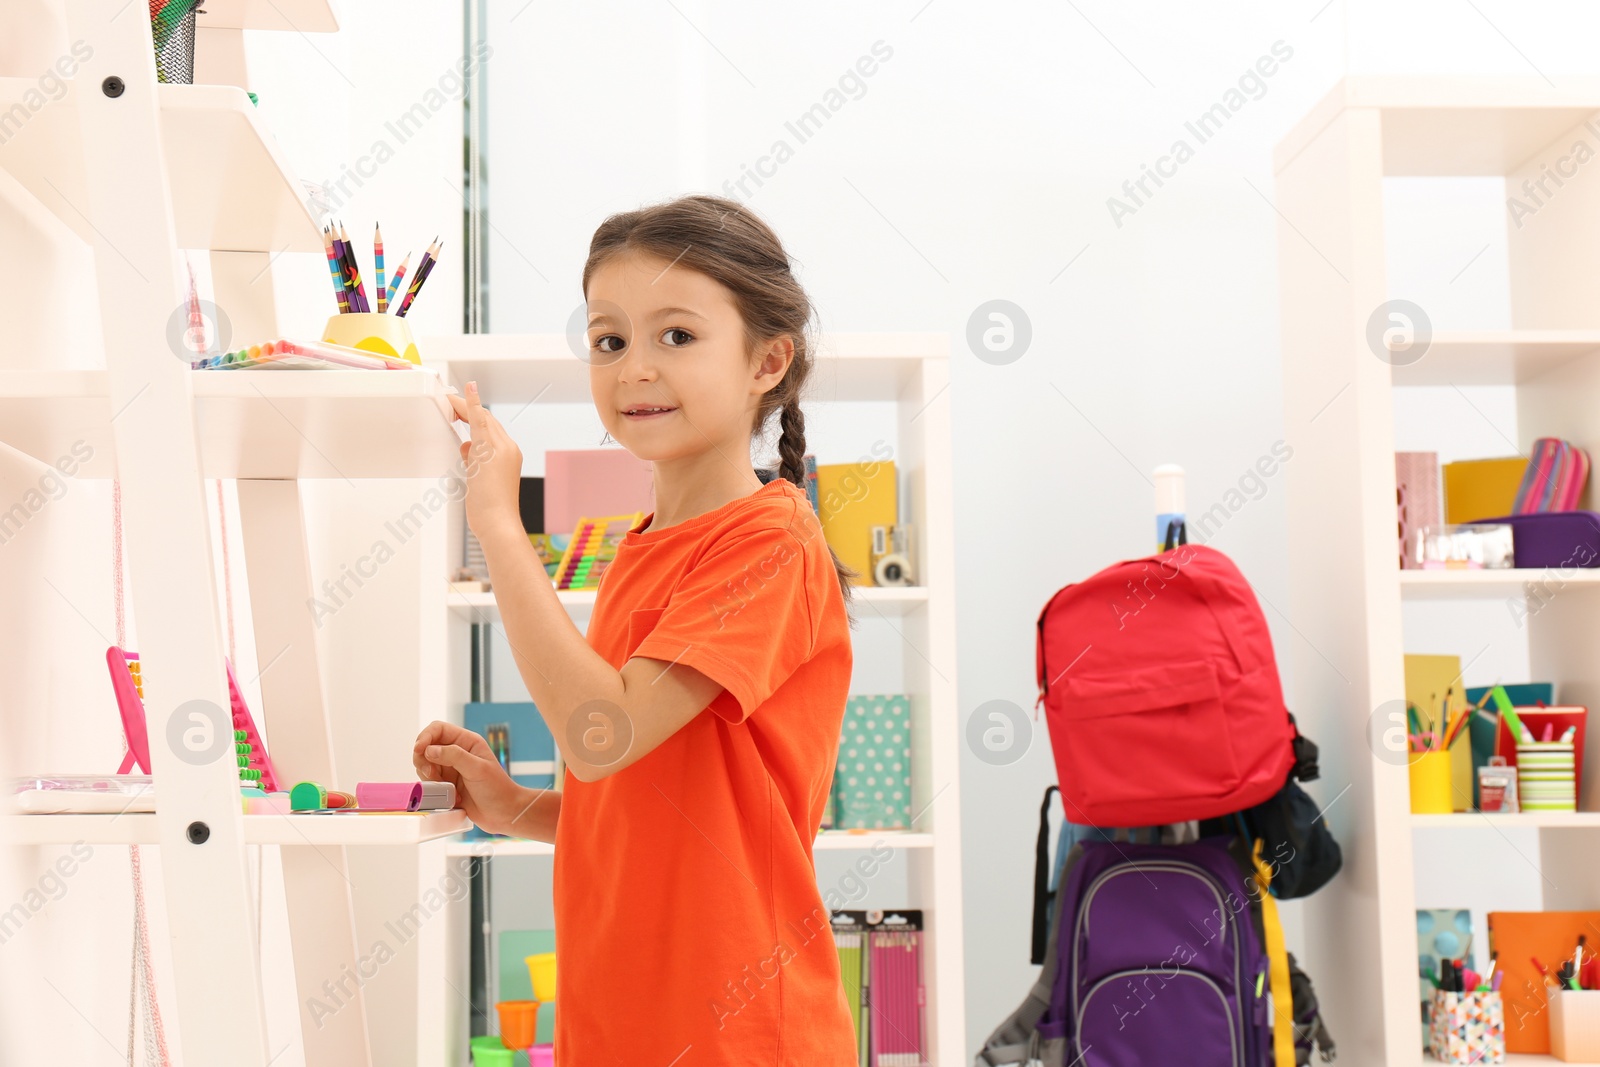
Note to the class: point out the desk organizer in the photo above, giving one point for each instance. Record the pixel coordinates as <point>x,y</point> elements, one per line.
<point>1430,783</point>
<point>1575,1025</point>
<point>1547,776</point>
<point>370,331</point>
<point>1468,1028</point>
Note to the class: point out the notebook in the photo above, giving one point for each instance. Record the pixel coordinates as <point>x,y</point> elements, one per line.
<point>1481,488</point>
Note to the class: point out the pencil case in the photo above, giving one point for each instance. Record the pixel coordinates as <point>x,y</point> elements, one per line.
<point>1554,538</point>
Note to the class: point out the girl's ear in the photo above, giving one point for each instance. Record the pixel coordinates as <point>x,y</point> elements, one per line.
<point>775,361</point>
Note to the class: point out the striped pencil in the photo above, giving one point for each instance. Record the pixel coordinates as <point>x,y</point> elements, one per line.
<point>342,256</point>
<point>425,268</point>
<point>377,258</point>
<point>399,275</point>
<point>355,271</point>
<point>333,269</point>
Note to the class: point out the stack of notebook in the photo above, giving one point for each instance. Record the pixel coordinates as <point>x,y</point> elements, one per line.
<point>880,958</point>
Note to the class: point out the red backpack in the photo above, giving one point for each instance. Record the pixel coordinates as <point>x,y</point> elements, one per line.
<point>1161,692</point>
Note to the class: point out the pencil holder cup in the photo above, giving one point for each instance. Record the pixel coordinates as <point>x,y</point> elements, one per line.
<point>387,335</point>
<point>1467,1028</point>
<point>1546,776</point>
<point>1575,1025</point>
<point>1430,784</point>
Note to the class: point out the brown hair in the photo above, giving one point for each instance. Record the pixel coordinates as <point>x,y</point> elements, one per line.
<point>730,244</point>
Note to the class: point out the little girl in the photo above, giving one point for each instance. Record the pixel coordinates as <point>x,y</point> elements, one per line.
<point>699,717</point>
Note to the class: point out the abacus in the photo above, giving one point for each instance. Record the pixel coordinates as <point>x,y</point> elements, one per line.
<point>581,563</point>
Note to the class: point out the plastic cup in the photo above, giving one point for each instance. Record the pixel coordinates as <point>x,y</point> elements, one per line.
<point>488,1051</point>
<point>519,1023</point>
<point>542,1056</point>
<point>542,972</point>
<point>1430,784</point>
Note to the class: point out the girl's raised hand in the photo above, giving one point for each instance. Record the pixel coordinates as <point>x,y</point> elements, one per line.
<point>445,752</point>
<point>493,467</point>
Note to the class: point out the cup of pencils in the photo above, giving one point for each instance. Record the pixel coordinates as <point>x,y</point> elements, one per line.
<point>357,324</point>
<point>1428,744</point>
<point>1467,1023</point>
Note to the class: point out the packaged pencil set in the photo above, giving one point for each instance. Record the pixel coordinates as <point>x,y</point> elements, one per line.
<point>880,960</point>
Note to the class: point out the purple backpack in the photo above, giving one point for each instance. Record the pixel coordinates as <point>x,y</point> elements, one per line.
<point>1159,960</point>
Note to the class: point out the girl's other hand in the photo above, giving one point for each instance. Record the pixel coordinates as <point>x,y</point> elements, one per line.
<point>493,466</point>
<point>445,752</point>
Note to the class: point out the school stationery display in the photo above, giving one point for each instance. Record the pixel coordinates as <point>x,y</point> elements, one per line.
<point>383,331</point>
<point>1440,769</point>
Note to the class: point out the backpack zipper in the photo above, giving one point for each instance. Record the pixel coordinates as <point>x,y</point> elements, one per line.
<point>1077,1019</point>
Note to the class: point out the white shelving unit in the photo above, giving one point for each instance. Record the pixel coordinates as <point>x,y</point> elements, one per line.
<point>140,175</point>
<point>1346,590</point>
<point>912,371</point>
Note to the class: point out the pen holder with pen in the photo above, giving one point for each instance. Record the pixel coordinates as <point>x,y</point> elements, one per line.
<point>1468,1027</point>
<point>370,331</point>
<point>1546,776</point>
<point>1430,783</point>
<point>1575,1025</point>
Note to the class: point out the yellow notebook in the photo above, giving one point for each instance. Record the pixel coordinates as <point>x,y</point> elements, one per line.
<point>852,498</point>
<point>1481,488</point>
<point>1428,679</point>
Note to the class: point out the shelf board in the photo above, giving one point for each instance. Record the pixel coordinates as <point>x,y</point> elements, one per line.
<point>1452,125</point>
<point>1478,820</point>
<point>1495,357</point>
<point>868,602</point>
<point>398,828</point>
<point>521,368</point>
<point>253,423</point>
<point>301,16</point>
<point>1488,584</point>
<point>828,840</point>
<point>232,189</point>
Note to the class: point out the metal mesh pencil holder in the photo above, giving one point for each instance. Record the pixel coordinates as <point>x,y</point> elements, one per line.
<point>172,30</point>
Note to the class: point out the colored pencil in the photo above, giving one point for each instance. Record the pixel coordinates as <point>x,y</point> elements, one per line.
<point>342,255</point>
<point>338,277</point>
<point>355,271</point>
<point>399,276</point>
<point>424,268</point>
<point>377,257</point>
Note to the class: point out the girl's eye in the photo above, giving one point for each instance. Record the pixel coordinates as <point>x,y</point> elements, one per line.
<point>687,336</point>
<point>601,346</point>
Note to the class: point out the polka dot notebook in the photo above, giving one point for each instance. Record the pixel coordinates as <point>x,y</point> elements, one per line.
<point>872,785</point>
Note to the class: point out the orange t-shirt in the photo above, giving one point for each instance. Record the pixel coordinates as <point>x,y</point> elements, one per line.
<point>689,925</point>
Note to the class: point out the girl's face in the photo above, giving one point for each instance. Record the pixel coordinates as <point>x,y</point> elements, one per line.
<point>669,371</point>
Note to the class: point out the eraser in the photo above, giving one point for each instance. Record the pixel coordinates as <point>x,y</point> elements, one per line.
<point>307,796</point>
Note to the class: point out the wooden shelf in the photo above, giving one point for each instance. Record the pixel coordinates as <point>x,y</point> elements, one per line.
<point>1452,125</point>
<point>1489,584</point>
<point>253,423</point>
<point>827,841</point>
<point>1495,357</point>
<point>400,828</point>
<point>519,368</point>
<point>232,189</point>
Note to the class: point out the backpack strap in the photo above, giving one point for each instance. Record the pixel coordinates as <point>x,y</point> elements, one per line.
<point>1277,967</point>
<point>1041,882</point>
